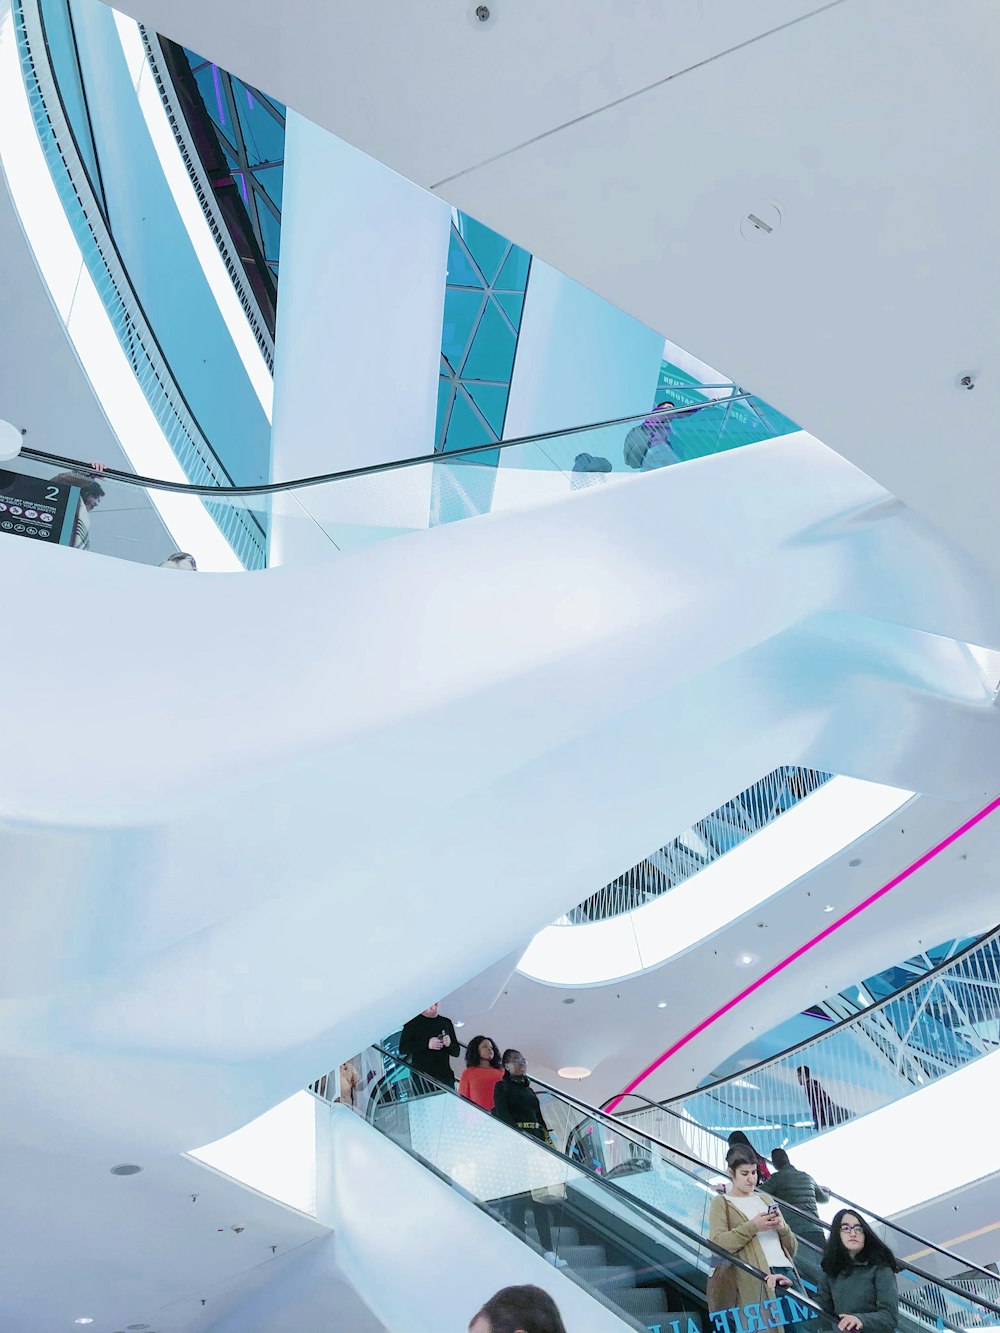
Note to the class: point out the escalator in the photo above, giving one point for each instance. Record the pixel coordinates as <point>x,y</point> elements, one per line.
<point>969,1302</point>
<point>626,1215</point>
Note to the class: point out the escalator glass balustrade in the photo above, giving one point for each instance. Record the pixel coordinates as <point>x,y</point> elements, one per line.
<point>624,1216</point>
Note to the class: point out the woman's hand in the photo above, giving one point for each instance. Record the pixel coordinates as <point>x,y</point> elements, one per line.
<point>767,1221</point>
<point>849,1322</point>
<point>774,1280</point>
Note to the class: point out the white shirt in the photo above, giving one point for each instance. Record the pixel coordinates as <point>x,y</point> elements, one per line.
<point>750,1206</point>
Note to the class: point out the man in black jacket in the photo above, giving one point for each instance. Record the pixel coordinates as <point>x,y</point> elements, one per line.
<point>790,1185</point>
<point>429,1043</point>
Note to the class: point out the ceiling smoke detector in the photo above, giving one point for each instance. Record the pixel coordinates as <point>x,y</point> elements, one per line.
<point>482,15</point>
<point>126,1169</point>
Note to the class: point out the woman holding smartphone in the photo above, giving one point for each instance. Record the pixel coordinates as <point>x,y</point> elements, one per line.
<point>749,1225</point>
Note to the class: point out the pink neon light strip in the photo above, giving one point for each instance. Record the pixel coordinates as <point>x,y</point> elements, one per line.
<point>960,832</point>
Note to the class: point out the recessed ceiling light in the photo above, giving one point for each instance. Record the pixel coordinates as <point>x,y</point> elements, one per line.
<point>828,907</point>
<point>574,1071</point>
<point>126,1169</point>
<point>745,959</point>
<point>460,1022</point>
<point>662,1004</point>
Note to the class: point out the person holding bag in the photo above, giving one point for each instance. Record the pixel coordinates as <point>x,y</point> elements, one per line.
<point>516,1103</point>
<point>750,1226</point>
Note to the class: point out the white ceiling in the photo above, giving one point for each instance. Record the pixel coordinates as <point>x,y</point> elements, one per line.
<point>627,150</point>
<point>136,1249</point>
<point>617,1030</point>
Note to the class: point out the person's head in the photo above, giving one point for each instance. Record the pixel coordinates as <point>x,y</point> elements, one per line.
<point>852,1239</point>
<point>91,491</point>
<point>180,560</point>
<point>738,1139</point>
<point>482,1051</point>
<point>432,1010</point>
<point>741,1166</point>
<point>524,1309</point>
<point>803,1074</point>
<point>515,1063</point>
<point>780,1159</point>
<point>665,406</point>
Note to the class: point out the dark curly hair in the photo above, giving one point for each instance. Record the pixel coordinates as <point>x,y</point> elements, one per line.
<point>837,1258</point>
<point>472,1052</point>
<point>528,1308</point>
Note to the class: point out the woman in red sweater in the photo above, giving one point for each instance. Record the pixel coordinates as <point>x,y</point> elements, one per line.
<point>482,1072</point>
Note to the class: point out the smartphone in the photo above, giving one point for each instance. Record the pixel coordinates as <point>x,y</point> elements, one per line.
<point>772,1211</point>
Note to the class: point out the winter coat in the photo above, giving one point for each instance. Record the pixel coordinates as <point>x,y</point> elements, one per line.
<point>728,1228</point>
<point>866,1290</point>
<point>789,1185</point>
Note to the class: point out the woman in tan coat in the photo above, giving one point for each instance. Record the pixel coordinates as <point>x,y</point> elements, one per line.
<point>750,1226</point>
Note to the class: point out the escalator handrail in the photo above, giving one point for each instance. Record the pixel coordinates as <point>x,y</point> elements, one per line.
<point>371,469</point>
<point>986,938</point>
<point>643,1206</point>
<point>640,1205</point>
<point>847,1203</point>
<point>611,1121</point>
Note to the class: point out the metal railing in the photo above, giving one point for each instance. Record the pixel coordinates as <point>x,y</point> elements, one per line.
<point>662,1175</point>
<point>943,1021</point>
<point>203,193</point>
<point>698,846</point>
<point>124,309</point>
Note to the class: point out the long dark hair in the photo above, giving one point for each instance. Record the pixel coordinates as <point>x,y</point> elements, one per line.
<point>472,1052</point>
<point>529,1308</point>
<point>837,1259</point>
<point>738,1139</point>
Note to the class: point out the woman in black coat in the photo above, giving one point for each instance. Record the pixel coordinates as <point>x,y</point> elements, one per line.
<point>857,1282</point>
<point>515,1101</point>
<point>516,1104</point>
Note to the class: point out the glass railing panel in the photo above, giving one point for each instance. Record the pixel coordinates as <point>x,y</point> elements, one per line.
<point>651,1268</point>
<point>628,1217</point>
<point>316,518</point>
<point>924,1299</point>
<point>145,525</point>
<point>941,1023</point>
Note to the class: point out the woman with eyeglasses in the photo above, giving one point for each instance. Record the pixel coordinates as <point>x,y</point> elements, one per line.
<point>857,1284</point>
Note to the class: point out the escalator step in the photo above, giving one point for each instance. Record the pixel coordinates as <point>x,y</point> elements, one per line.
<point>584,1256</point>
<point>642,1301</point>
<point>607,1276</point>
<point>565,1236</point>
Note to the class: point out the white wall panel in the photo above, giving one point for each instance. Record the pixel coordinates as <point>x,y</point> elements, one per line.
<point>357,352</point>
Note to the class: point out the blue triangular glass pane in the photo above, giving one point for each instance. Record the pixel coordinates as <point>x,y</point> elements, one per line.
<point>461,273</point>
<point>486,247</point>
<point>461,310</point>
<point>513,304</point>
<point>209,82</point>
<point>514,274</point>
<point>273,181</point>
<point>492,354</point>
<point>263,136</point>
<point>445,388</point>
<point>465,428</point>
<point>491,399</point>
